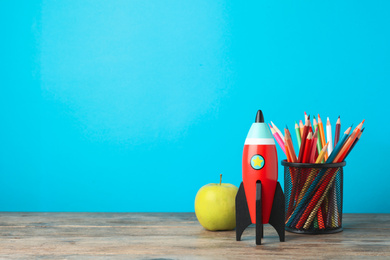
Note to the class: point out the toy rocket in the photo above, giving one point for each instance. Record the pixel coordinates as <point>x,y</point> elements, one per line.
<point>260,199</point>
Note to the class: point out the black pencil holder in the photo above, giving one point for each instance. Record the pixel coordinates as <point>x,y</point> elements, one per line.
<point>313,197</point>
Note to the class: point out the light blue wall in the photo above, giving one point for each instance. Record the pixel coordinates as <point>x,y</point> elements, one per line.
<point>134,105</point>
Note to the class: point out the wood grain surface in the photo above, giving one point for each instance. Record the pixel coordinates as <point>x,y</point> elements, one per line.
<point>178,236</point>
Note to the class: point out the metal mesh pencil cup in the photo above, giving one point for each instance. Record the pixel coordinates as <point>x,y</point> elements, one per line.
<point>314,197</point>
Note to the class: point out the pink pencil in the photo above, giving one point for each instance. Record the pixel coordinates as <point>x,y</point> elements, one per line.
<point>278,139</point>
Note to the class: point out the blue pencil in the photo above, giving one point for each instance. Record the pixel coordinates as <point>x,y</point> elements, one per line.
<point>319,176</point>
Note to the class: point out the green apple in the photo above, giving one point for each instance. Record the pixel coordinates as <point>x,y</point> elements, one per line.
<point>215,205</point>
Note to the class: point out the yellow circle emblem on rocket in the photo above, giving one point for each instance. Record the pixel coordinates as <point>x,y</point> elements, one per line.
<point>257,162</point>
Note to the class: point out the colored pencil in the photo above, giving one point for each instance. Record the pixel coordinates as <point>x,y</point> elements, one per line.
<point>329,136</point>
<point>354,143</point>
<point>315,124</point>
<point>306,153</point>
<point>278,131</point>
<point>313,148</point>
<point>321,224</point>
<point>306,117</point>
<point>287,153</point>
<point>337,132</point>
<point>293,157</point>
<point>322,134</point>
<point>339,146</point>
<point>319,146</point>
<point>322,154</point>
<point>301,127</point>
<point>290,146</point>
<point>349,143</point>
<point>298,134</point>
<point>278,139</point>
<point>331,216</point>
<point>303,142</point>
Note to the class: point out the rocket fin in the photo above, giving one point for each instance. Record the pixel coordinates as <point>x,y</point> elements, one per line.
<point>259,215</point>
<point>276,218</point>
<point>243,218</point>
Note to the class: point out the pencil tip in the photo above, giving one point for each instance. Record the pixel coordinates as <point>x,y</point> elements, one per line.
<point>363,129</point>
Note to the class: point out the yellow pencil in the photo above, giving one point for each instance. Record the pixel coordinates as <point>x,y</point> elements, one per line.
<point>322,153</point>
<point>322,134</point>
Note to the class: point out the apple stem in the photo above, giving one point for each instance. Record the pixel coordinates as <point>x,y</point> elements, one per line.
<point>220,179</point>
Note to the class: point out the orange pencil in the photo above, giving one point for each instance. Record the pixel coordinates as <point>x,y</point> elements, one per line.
<point>354,143</point>
<point>287,150</point>
<point>322,134</point>
<point>290,146</point>
<point>344,150</point>
<point>320,219</point>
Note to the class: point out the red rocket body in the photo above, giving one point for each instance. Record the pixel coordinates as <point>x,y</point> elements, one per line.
<point>260,163</point>
<point>268,176</point>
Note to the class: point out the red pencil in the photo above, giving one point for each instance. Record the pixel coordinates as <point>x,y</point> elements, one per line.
<point>337,132</point>
<point>310,127</point>
<point>306,153</point>
<point>312,157</point>
<point>303,141</point>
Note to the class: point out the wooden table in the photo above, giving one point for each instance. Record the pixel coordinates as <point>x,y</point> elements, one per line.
<point>177,236</point>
